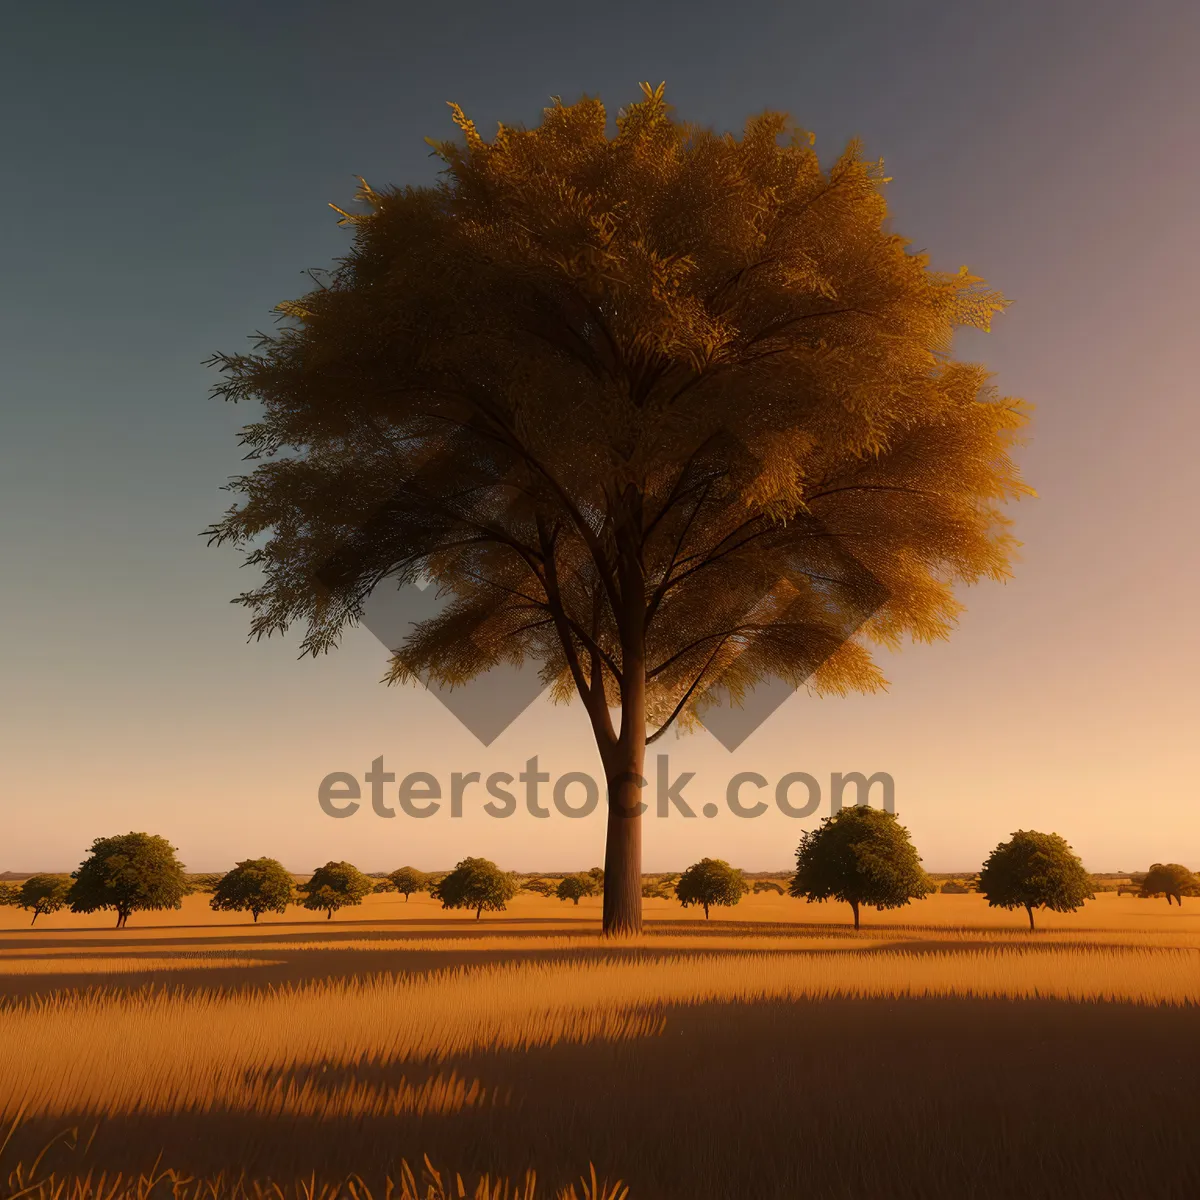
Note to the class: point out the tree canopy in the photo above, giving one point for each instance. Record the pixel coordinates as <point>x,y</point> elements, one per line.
<point>711,882</point>
<point>1172,880</point>
<point>1035,870</point>
<point>669,413</point>
<point>335,886</point>
<point>41,894</point>
<point>575,887</point>
<point>131,872</point>
<point>859,856</point>
<point>256,886</point>
<point>407,880</point>
<point>477,883</point>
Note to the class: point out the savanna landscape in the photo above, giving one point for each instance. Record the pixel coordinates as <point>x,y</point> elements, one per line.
<point>555,447</point>
<point>942,1050</point>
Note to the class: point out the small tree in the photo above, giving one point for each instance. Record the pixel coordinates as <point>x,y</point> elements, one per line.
<point>132,872</point>
<point>860,856</point>
<point>476,883</point>
<point>335,885</point>
<point>41,894</point>
<point>257,885</point>
<point>1171,880</point>
<point>768,885</point>
<point>660,887</point>
<point>711,881</point>
<point>540,887</point>
<point>206,882</point>
<point>1035,870</point>
<point>407,880</point>
<point>575,887</point>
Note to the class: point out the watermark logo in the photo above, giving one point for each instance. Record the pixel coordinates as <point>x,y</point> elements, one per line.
<point>576,794</point>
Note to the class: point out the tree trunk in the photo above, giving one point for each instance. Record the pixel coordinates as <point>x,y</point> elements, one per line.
<point>854,907</point>
<point>35,917</point>
<point>479,912</point>
<point>256,918</point>
<point>329,914</point>
<point>1029,910</point>
<point>623,846</point>
<point>706,912</point>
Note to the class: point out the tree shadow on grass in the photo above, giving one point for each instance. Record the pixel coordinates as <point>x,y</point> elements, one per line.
<point>874,1098</point>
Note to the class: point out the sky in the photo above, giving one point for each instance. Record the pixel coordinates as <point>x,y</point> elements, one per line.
<point>168,173</point>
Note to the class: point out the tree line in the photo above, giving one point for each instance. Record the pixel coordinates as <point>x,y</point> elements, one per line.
<point>862,857</point>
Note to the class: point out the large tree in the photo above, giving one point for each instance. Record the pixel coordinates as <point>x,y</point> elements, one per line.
<point>1035,870</point>
<point>670,413</point>
<point>129,873</point>
<point>860,856</point>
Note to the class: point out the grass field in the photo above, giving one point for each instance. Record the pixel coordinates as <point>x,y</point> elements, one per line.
<point>942,1051</point>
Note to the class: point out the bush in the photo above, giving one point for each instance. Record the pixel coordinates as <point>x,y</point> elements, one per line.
<point>769,885</point>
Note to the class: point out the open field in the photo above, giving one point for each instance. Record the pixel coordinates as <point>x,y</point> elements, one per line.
<point>944,1050</point>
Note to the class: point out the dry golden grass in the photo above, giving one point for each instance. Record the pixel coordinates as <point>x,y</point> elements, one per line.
<point>524,1040</point>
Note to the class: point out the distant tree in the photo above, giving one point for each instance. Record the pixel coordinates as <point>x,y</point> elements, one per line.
<point>206,882</point>
<point>1171,880</point>
<point>256,886</point>
<point>665,411</point>
<point>660,887</point>
<point>575,887</point>
<point>476,883</point>
<point>1035,870</point>
<point>540,887</point>
<point>41,894</point>
<point>8,895</point>
<point>953,887</point>
<point>860,856</point>
<point>407,880</point>
<point>131,872</point>
<point>334,886</point>
<point>711,881</point>
<point>768,885</point>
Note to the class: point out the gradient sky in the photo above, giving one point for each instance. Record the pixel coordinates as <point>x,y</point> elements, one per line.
<point>167,174</point>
